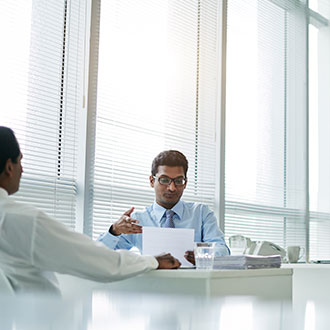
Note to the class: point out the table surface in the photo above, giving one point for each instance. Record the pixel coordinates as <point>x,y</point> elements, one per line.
<point>274,283</point>
<point>303,265</point>
<point>211,274</point>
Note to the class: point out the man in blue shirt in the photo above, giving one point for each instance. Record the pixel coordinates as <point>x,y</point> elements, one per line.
<point>169,179</point>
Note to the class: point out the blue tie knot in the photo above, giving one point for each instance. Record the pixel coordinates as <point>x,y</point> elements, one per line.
<point>169,219</point>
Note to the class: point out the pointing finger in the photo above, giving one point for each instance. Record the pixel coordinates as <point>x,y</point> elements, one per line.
<point>128,212</point>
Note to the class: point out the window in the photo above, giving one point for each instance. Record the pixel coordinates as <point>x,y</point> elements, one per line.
<point>153,85</point>
<point>41,97</point>
<point>156,90</point>
<point>319,115</point>
<point>266,113</point>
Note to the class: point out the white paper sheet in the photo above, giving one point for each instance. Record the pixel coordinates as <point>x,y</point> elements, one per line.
<point>176,241</point>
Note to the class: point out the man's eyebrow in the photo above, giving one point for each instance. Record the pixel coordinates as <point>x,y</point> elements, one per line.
<point>166,176</point>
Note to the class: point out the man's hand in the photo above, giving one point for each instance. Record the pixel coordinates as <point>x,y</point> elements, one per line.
<point>126,225</point>
<point>189,255</point>
<point>166,261</point>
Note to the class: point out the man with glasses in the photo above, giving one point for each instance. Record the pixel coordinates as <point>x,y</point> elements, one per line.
<point>169,180</point>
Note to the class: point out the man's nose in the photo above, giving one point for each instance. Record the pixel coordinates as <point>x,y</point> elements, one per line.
<point>171,186</point>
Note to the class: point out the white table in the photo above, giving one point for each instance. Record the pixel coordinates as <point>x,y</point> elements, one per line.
<point>309,280</point>
<point>103,310</point>
<point>107,308</point>
<point>273,283</point>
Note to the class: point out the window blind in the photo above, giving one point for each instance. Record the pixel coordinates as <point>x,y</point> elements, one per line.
<point>266,135</point>
<point>157,90</point>
<point>319,106</point>
<point>41,89</point>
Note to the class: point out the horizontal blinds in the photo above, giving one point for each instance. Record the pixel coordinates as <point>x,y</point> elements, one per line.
<point>319,105</point>
<point>16,21</point>
<point>153,57</point>
<point>43,110</point>
<point>265,170</point>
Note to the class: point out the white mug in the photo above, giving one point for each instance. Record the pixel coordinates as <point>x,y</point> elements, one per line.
<point>294,253</point>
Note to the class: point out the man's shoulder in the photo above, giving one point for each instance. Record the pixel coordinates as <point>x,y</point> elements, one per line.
<point>18,214</point>
<point>142,213</point>
<point>26,212</point>
<point>17,207</point>
<point>195,205</point>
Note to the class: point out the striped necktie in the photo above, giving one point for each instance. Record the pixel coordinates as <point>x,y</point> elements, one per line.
<point>169,219</point>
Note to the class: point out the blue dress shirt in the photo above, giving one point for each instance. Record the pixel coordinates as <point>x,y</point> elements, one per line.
<point>187,215</point>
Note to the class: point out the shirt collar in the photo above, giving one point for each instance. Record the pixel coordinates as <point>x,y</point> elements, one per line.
<point>159,210</point>
<point>3,193</point>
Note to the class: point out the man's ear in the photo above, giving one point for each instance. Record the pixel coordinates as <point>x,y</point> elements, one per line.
<point>152,181</point>
<point>8,170</point>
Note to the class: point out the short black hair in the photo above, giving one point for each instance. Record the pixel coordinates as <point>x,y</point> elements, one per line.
<point>9,147</point>
<point>169,158</point>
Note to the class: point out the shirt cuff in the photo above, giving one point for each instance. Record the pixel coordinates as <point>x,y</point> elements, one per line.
<point>109,240</point>
<point>152,261</point>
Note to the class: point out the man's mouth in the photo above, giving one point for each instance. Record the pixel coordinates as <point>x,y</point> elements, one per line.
<point>170,195</point>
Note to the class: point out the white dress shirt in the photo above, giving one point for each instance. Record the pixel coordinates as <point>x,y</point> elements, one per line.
<point>33,246</point>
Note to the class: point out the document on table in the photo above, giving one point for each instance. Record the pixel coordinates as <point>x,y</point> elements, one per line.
<point>177,241</point>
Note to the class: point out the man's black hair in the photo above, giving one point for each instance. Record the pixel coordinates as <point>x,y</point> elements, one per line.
<point>9,147</point>
<point>169,158</point>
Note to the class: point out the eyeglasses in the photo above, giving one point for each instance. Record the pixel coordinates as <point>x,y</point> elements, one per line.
<point>166,181</point>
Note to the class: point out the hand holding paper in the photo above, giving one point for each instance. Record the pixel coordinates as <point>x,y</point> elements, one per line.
<point>176,241</point>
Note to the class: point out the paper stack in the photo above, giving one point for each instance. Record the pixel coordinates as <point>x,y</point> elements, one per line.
<point>247,262</point>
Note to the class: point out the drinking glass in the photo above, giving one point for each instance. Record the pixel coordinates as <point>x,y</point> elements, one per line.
<point>204,255</point>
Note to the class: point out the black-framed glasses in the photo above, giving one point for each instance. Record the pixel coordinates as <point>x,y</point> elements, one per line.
<point>166,181</point>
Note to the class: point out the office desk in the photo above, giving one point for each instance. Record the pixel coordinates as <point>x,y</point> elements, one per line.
<point>273,283</point>
<point>103,310</point>
<point>310,280</point>
<point>106,308</point>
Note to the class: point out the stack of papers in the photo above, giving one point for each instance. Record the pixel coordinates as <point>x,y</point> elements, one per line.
<point>247,262</point>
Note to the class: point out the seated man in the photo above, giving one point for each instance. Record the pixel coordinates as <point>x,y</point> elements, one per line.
<point>33,246</point>
<point>169,179</point>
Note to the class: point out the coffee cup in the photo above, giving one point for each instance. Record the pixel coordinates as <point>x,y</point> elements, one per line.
<point>295,253</point>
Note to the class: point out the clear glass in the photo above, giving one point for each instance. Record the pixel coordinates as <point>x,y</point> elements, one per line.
<point>204,255</point>
<point>237,244</point>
